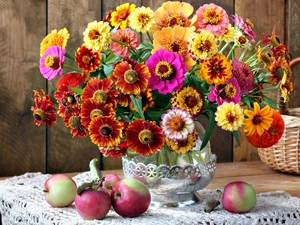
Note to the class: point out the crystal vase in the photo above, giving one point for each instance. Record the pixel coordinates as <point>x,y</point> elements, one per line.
<point>173,179</point>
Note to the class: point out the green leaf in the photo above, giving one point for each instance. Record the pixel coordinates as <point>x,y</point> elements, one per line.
<point>76,90</point>
<point>269,101</point>
<point>210,128</point>
<point>137,102</point>
<point>155,115</point>
<point>107,70</point>
<point>236,136</point>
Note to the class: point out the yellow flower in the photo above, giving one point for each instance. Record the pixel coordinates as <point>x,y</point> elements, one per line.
<point>142,19</point>
<point>258,120</point>
<point>174,40</point>
<point>120,16</point>
<point>55,38</point>
<point>229,116</point>
<point>202,45</point>
<point>230,34</point>
<point>97,35</point>
<point>183,146</point>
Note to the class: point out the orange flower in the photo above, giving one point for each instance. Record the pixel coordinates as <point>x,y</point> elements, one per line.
<point>174,40</point>
<point>172,14</point>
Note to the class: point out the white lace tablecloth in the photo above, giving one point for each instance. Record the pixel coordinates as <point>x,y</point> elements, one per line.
<point>22,202</point>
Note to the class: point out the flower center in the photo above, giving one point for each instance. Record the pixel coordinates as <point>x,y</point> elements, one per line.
<point>105,130</point>
<point>130,76</point>
<point>176,46</point>
<point>100,95</point>
<point>242,40</point>
<point>190,101</point>
<point>164,70</point>
<point>122,14</point>
<point>212,16</point>
<point>205,46</point>
<point>86,59</point>
<point>174,20</point>
<point>52,62</point>
<point>143,19</point>
<point>257,119</point>
<point>230,90</point>
<point>216,69</point>
<point>39,115</point>
<point>280,72</point>
<point>74,122</point>
<point>177,124</point>
<point>272,131</point>
<point>230,117</point>
<point>95,113</point>
<point>94,34</point>
<point>146,136</point>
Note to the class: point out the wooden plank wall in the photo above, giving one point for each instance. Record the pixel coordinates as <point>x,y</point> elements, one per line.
<point>25,147</point>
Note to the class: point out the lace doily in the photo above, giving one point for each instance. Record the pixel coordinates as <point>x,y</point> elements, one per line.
<point>22,202</point>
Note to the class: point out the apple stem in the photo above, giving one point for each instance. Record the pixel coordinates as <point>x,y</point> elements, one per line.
<point>46,191</point>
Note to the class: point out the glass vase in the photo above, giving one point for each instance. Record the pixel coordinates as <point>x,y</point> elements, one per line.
<point>173,179</point>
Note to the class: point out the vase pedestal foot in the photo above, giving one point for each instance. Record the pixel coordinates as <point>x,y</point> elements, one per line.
<point>181,199</point>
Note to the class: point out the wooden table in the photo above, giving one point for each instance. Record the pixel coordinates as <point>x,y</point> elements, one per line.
<point>256,173</point>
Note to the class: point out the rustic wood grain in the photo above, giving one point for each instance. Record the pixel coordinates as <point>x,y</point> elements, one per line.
<point>293,35</point>
<point>22,25</point>
<point>266,16</point>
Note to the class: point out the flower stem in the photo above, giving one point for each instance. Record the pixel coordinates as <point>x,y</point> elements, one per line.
<point>69,56</point>
<point>71,68</point>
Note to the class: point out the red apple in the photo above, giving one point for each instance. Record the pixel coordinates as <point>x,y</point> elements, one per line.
<point>130,197</point>
<point>110,180</point>
<point>60,190</point>
<point>93,204</point>
<point>238,197</point>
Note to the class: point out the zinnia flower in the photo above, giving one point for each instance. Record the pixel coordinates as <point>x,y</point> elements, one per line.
<point>229,92</point>
<point>51,62</point>
<point>244,75</point>
<point>72,79</point>
<point>129,79</point>
<point>213,18</point>
<point>230,34</point>
<point>130,40</point>
<point>167,71</point>
<point>44,110</point>
<point>174,39</point>
<point>97,35</point>
<point>189,99</point>
<point>144,137</point>
<point>105,131</point>
<point>229,116</point>
<point>177,124</point>
<point>215,70</point>
<point>258,120</point>
<point>120,16</point>
<point>87,59</point>
<point>245,27</point>
<point>55,38</point>
<point>202,45</point>
<point>183,146</point>
<point>142,19</point>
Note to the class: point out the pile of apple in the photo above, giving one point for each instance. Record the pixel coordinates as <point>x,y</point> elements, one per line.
<point>93,200</point>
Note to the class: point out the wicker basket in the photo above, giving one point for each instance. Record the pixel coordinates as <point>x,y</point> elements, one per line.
<point>285,155</point>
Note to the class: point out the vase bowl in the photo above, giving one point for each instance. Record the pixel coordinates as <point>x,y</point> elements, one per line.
<point>172,186</point>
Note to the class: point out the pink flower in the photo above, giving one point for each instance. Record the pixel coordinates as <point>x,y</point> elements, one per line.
<point>229,92</point>
<point>167,71</point>
<point>129,38</point>
<point>51,62</point>
<point>243,26</point>
<point>213,18</point>
<point>244,76</point>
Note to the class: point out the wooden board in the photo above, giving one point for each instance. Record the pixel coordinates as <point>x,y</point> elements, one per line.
<point>22,144</point>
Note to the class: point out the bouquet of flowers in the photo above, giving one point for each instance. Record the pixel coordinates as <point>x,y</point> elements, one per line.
<point>143,77</point>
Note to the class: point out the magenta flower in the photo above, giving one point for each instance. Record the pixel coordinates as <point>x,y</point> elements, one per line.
<point>51,62</point>
<point>213,18</point>
<point>244,76</point>
<point>129,38</point>
<point>167,71</point>
<point>229,92</point>
<point>243,26</point>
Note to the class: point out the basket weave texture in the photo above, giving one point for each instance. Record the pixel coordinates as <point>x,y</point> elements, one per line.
<point>285,155</point>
